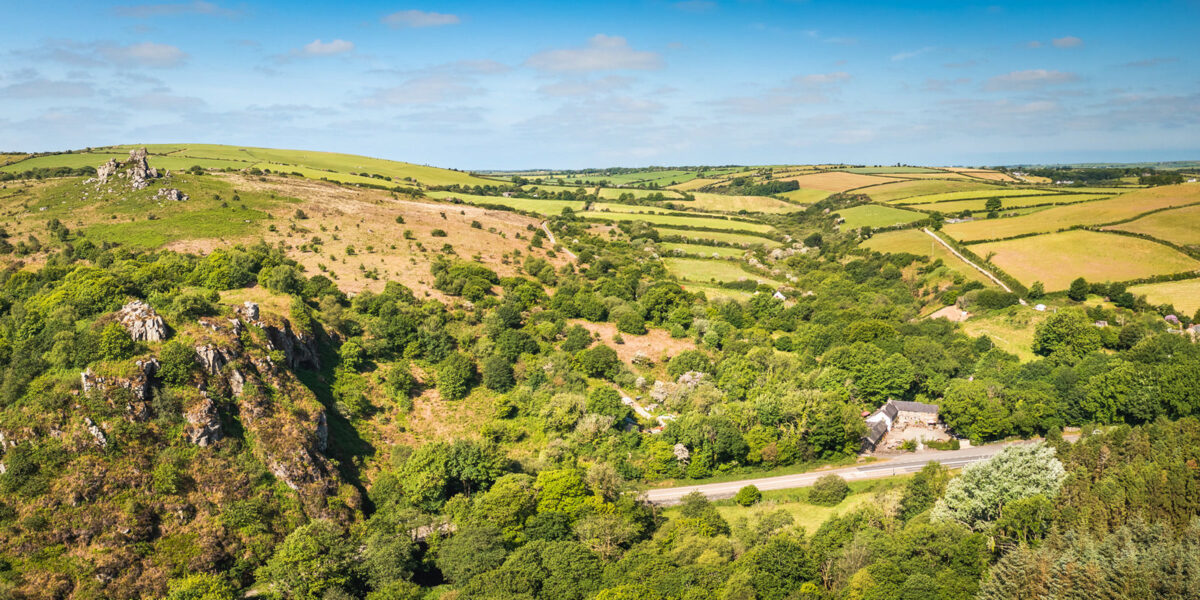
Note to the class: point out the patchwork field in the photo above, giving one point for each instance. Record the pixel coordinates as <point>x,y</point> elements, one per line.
<point>1180,226</point>
<point>533,205</point>
<point>877,215</point>
<point>694,184</point>
<point>1057,259</point>
<point>915,241</point>
<point>1007,203</point>
<point>988,175</point>
<point>908,189</point>
<point>891,170</point>
<point>972,195</point>
<point>1126,206</point>
<point>669,220</point>
<point>836,181</point>
<point>702,250</point>
<point>704,270</point>
<point>1184,295</point>
<point>804,196</point>
<point>614,193</point>
<point>718,236</point>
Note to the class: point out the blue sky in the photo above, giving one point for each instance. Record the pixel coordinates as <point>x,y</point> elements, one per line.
<point>480,85</point>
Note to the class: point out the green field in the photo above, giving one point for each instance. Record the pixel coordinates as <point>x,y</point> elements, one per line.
<point>1184,295</point>
<point>805,196</point>
<point>713,292</point>
<point>923,187</point>
<point>1011,329</point>
<point>1008,203</point>
<point>533,205</point>
<point>1180,226</point>
<point>704,270</point>
<point>702,250</point>
<point>877,215</point>
<point>915,241</point>
<point>614,193</point>
<point>1125,206</point>
<point>1058,258</point>
<point>670,220</point>
<point>74,161</point>
<point>718,236</point>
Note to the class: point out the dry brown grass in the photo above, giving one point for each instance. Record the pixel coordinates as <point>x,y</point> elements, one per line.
<point>655,344</point>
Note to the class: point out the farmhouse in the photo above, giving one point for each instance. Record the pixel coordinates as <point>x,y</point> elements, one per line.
<point>898,414</point>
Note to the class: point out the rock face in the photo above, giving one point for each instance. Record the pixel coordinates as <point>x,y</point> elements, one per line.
<point>138,383</point>
<point>299,347</point>
<point>203,424</point>
<point>97,433</point>
<point>142,322</point>
<point>137,169</point>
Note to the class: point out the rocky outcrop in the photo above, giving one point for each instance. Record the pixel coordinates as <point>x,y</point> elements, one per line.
<point>142,322</point>
<point>171,194</point>
<point>203,423</point>
<point>298,347</point>
<point>212,359</point>
<point>97,433</point>
<point>690,379</point>
<point>138,383</point>
<point>136,169</point>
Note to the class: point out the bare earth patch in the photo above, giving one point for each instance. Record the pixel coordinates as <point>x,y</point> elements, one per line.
<point>656,344</point>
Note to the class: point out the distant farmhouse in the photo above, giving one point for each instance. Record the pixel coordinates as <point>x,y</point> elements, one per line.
<point>897,413</point>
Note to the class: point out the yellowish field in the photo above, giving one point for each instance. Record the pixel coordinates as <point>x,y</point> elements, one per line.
<point>915,241</point>
<point>804,196</point>
<point>837,181</point>
<point>988,175</point>
<point>721,202</point>
<point>694,184</point>
<point>1011,329</point>
<point>743,239</point>
<point>1008,203</point>
<point>1058,258</point>
<point>994,192</point>
<point>668,220</point>
<point>1184,295</point>
<point>1125,206</point>
<point>911,188</point>
<point>702,250</point>
<point>713,292</point>
<point>1180,226</point>
<point>614,193</point>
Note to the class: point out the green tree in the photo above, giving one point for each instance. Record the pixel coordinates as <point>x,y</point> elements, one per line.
<point>312,559</point>
<point>498,374</point>
<point>1067,335</point>
<point>828,490</point>
<point>599,361</point>
<point>923,490</point>
<point>748,496</point>
<point>115,343</point>
<point>177,362</point>
<point>469,552</point>
<point>1078,290</point>
<point>201,586</point>
<point>455,376</point>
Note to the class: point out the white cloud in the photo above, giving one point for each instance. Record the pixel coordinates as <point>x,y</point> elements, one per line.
<point>602,53</point>
<point>911,54</point>
<point>197,7</point>
<point>146,54</point>
<point>585,87</point>
<point>45,88</point>
<point>330,48</point>
<point>1069,41</point>
<point>1026,80</point>
<point>420,18</point>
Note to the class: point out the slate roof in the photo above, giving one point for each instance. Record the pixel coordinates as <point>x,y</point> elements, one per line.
<point>917,407</point>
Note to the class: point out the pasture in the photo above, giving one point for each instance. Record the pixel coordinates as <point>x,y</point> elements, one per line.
<point>1011,329</point>
<point>1099,212</point>
<point>713,292</point>
<point>1058,258</point>
<point>741,239</point>
<point>1179,226</point>
<point>877,215</point>
<point>669,220</point>
<point>804,196</point>
<point>722,202</point>
<point>915,241</point>
<point>694,184</point>
<point>892,170</point>
<point>614,193</point>
<point>703,270</point>
<point>836,181</point>
<point>908,189</point>
<point>702,250</point>
<point>1184,294</point>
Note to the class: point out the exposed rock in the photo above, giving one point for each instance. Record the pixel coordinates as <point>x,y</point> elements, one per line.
<point>212,358</point>
<point>250,309</point>
<point>322,432</point>
<point>97,433</point>
<point>142,322</point>
<point>137,169</point>
<point>640,382</point>
<point>203,424</point>
<point>138,384</point>
<point>691,379</point>
<point>171,194</point>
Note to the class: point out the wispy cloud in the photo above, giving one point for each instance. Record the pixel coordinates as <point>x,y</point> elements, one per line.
<point>1027,80</point>
<point>602,53</point>
<point>197,7</point>
<point>430,89</point>
<point>330,48</point>
<point>45,88</point>
<point>420,18</point>
<point>1069,41</point>
<point>818,79</point>
<point>912,53</point>
<point>145,54</point>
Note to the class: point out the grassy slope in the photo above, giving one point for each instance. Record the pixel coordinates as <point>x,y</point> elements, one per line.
<point>914,241</point>
<point>718,236</point>
<point>876,215</point>
<point>702,250</point>
<point>1008,203</point>
<point>703,270</point>
<point>1184,295</point>
<point>1181,226</point>
<point>908,189</point>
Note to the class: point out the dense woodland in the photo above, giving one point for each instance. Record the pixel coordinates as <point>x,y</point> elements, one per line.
<point>104,493</point>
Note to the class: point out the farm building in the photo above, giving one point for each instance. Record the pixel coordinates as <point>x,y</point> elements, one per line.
<point>898,413</point>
